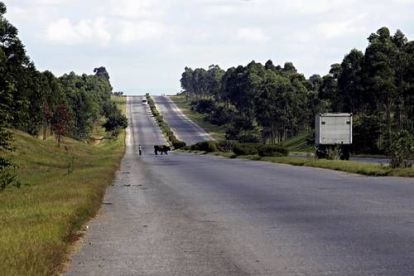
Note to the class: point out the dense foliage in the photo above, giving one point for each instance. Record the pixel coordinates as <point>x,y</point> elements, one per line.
<point>240,148</point>
<point>273,103</point>
<point>33,101</point>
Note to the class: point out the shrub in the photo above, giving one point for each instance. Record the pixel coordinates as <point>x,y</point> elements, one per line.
<point>155,113</point>
<point>208,146</point>
<point>195,147</point>
<point>172,137</point>
<point>178,144</point>
<point>115,133</point>
<point>366,132</point>
<point>245,149</point>
<point>159,119</point>
<point>203,106</point>
<point>272,151</point>
<point>7,174</point>
<point>249,138</point>
<point>116,121</point>
<point>221,115</point>
<point>227,145</point>
<point>401,148</point>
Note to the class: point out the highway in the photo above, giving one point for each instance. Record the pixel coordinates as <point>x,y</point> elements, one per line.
<point>186,214</point>
<point>184,128</point>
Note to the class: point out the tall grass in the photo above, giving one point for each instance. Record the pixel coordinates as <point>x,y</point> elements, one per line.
<point>39,221</point>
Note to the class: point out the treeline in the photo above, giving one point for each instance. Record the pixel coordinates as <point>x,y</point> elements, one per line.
<point>37,102</point>
<point>40,103</point>
<point>377,86</point>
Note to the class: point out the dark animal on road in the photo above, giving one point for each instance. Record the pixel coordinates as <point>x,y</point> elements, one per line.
<point>161,148</point>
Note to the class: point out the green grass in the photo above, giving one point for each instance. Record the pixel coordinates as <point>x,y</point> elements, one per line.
<point>40,221</point>
<point>298,144</point>
<point>368,169</point>
<point>217,132</point>
<point>121,102</point>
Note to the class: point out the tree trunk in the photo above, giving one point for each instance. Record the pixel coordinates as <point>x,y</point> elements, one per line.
<point>388,111</point>
<point>44,131</point>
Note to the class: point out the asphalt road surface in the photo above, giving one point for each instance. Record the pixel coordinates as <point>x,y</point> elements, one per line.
<point>183,128</point>
<point>185,214</point>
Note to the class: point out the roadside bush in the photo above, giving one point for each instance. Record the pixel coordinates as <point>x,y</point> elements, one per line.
<point>208,146</point>
<point>227,145</point>
<point>172,137</point>
<point>272,151</point>
<point>178,144</point>
<point>195,147</point>
<point>203,106</point>
<point>159,118</point>
<point>237,126</point>
<point>115,133</point>
<point>366,132</point>
<point>115,121</point>
<point>249,138</point>
<point>221,115</point>
<point>401,149</point>
<point>155,112</point>
<point>245,149</point>
<point>7,174</point>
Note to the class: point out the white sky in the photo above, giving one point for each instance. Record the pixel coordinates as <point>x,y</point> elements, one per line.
<point>145,44</point>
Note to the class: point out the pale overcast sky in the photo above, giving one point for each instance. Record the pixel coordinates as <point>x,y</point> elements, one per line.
<point>145,44</point>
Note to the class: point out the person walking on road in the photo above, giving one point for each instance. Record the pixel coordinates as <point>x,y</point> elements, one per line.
<point>140,149</point>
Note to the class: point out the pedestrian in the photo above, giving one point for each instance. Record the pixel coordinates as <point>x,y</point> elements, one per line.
<point>140,149</point>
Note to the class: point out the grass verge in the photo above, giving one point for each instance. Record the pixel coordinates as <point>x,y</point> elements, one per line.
<point>368,169</point>
<point>217,132</point>
<point>40,221</point>
<point>299,144</point>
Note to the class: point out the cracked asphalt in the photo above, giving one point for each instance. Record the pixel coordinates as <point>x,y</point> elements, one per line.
<point>185,214</point>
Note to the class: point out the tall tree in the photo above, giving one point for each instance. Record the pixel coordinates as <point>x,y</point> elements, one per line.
<point>350,87</point>
<point>380,68</point>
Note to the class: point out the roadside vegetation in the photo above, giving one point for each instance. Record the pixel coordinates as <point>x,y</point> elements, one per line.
<point>43,105</point>
<point>273,104</point>
<point>61,140</point>
<point>61,189</point>
<point>279,154</point>
<point>165,128</point>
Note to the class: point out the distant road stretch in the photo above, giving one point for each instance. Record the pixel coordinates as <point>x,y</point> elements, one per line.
<point>185,129</point>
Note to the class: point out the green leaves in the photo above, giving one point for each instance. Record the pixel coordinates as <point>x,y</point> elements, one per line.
<point>401,149</point>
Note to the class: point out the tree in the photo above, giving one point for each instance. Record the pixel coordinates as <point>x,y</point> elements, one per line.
<point>52,95</point>
<point>12,55</point>
<point>116,121</point>
<point>60,122</point>
<point>380,66</point>
<point>214,76</point>
<point>101,72</point>
<point>350,87</point>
